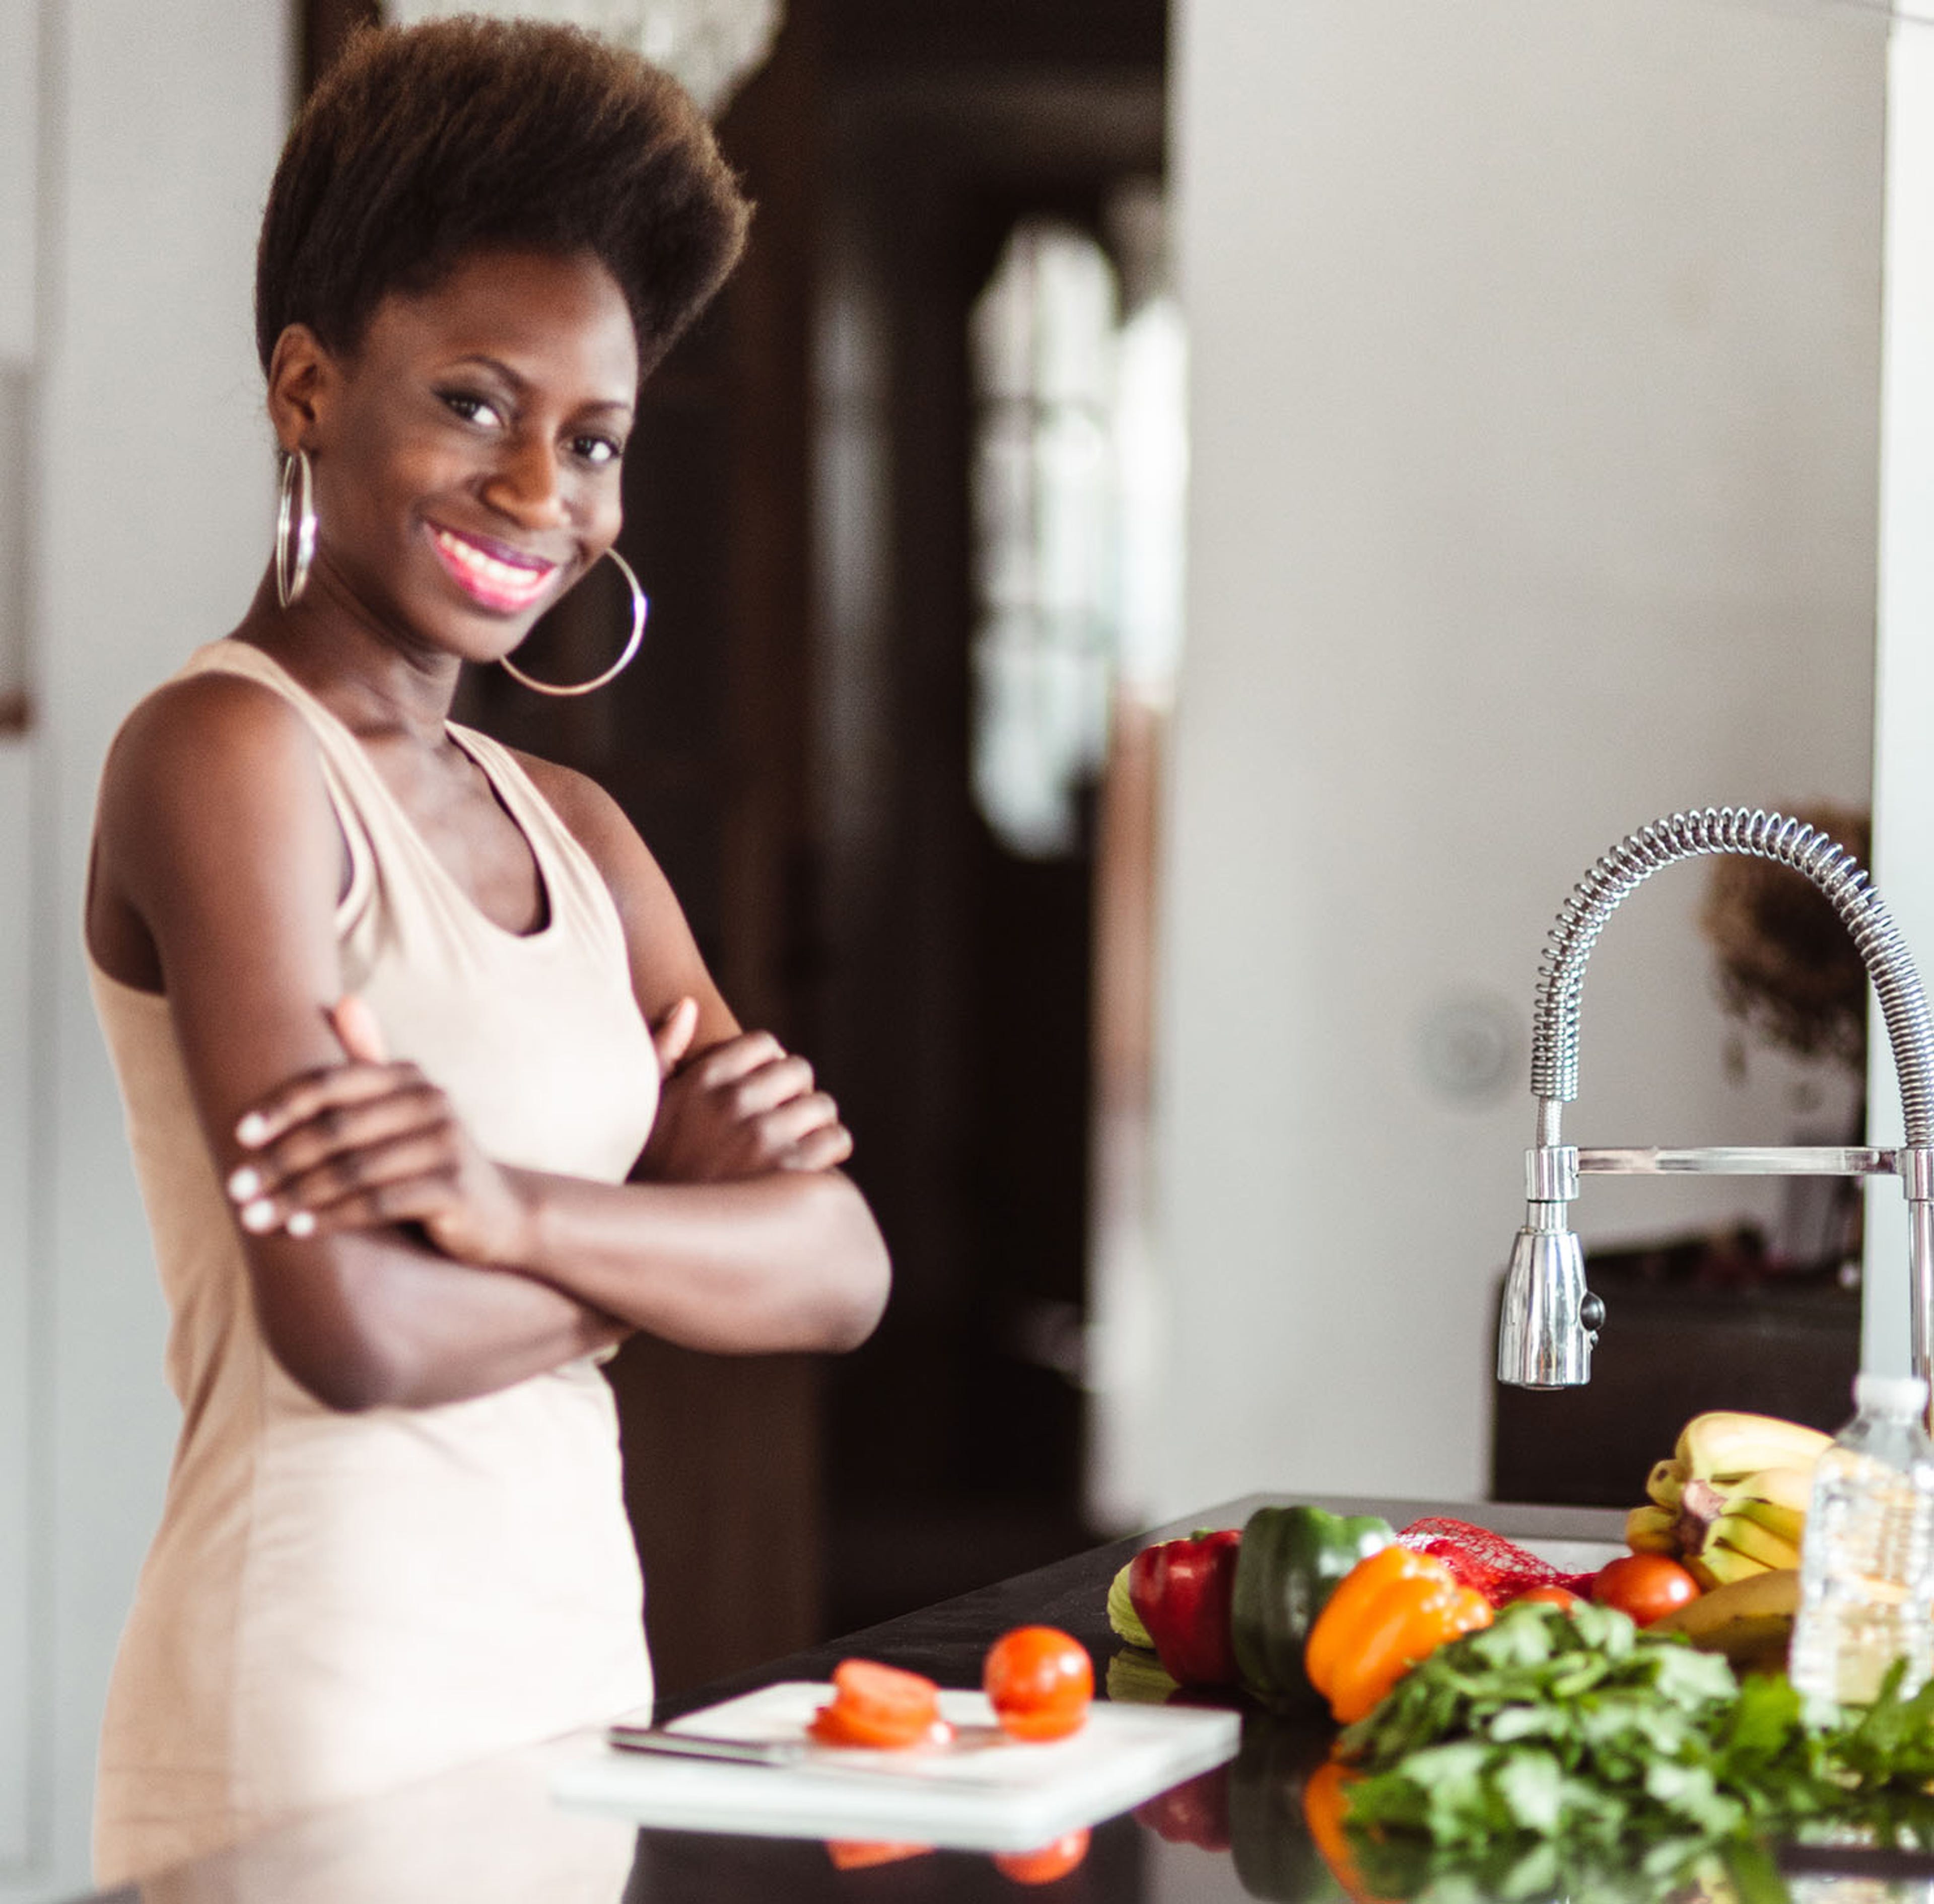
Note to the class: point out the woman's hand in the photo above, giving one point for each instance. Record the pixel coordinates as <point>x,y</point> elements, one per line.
<point>741,1108</point>
<point>365,1144</point>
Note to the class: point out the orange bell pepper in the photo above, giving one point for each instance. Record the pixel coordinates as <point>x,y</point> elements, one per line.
<point>1387,1613</point>
<point>1326,1805</point>
<point>1333,1637</point>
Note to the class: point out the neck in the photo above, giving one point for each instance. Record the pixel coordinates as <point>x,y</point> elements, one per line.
<point>373,682</point>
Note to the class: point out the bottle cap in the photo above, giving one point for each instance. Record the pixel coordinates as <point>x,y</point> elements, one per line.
<point>1890,1394</point>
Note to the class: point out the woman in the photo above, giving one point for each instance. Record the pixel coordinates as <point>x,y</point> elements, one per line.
<point>390,1005</point>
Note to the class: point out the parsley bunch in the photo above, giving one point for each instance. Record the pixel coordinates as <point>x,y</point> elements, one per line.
<point>1551,1734</point>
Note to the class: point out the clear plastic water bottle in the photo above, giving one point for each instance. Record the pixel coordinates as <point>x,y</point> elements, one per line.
<point>1866,1568</point>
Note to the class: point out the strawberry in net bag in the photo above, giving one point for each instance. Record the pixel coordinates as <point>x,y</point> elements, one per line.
<point>1499,1569</point>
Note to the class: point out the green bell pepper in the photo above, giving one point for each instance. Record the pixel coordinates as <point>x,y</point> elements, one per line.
<point>1275,1857</point>
<point>1290,1562</point>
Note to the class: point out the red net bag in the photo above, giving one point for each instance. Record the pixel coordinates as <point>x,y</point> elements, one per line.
<point>1499,1569</point>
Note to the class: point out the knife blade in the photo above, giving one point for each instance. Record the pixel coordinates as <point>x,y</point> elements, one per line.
<point>702,1745</point>
<point>797,1754</point>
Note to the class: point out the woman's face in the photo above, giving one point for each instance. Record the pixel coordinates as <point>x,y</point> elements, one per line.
<point>467,455</point>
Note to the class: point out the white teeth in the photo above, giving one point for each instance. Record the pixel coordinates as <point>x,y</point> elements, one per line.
<point>499,575</point>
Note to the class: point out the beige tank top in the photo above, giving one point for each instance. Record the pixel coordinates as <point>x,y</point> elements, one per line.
<point>336,1603</point>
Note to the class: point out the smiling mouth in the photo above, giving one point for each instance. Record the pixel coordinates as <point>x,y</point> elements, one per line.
<point>505,585</point>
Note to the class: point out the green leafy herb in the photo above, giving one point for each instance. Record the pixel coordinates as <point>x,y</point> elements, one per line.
<point>1553,1737</point>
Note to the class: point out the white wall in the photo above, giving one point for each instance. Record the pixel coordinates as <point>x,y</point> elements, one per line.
<point>18,227</point>
<point>149,487</point>
<point>19,1443</point>
<point>1904,668</point>
<point>19,153</point>
<point>1534,349</point>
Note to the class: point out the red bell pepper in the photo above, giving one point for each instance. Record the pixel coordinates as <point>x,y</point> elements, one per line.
<point>1182,1592</point>
<point>1194,1813</point>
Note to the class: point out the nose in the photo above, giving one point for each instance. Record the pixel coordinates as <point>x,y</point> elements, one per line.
<point>524,485</point>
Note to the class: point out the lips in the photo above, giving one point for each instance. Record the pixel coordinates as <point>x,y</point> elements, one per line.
<point>489,572</point>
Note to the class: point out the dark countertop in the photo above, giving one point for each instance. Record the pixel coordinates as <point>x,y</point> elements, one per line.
<point>490,1834</point>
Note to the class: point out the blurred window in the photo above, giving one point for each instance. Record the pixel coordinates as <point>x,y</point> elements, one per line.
<point>1044,344</point>
<point>1080,469</point>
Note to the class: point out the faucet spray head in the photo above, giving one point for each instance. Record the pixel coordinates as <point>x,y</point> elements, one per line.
<point>1548,1320</point>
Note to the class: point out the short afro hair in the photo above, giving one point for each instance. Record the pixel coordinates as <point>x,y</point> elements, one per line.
<point>424,144</point>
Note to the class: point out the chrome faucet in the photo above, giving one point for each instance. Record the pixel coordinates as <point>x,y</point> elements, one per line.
<point>1549,1320</point>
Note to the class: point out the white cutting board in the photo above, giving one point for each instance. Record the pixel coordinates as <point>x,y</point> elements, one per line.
<point>986,1792</point>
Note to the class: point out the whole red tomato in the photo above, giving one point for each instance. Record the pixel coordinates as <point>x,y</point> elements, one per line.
<point>1549,1596</point>
<point>1646,1586</point>
<point>1039,1681</point>
<point>1049,1863</point>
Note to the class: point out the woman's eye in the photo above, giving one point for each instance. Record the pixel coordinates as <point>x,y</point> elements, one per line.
<point>598,449</point>
<point>471,409</point>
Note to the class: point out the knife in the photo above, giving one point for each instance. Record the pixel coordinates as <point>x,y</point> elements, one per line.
<point>798,1754</point>
<point>702,1745</point>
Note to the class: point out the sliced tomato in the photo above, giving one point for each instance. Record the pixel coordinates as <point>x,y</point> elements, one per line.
<point>835,1724</point>
<point>880,1707</point>
<point>1039,1681</point>
<point>859,1854</point>
<point>888,1691</point>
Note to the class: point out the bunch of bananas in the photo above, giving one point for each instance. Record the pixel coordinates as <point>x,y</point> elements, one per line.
<point>1732,1501</point>
<point>1750,1621</point>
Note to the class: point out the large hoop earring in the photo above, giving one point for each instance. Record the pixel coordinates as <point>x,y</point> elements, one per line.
<point>639,605</point>
<point>290,584</point>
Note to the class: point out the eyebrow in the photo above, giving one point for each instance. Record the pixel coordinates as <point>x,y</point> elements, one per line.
<point>519,384</point>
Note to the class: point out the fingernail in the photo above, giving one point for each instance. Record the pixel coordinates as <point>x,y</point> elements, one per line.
<point>245,1183</point>
<point>253,1129</point>
<point>300,1224</point>
<point>258,1216</point>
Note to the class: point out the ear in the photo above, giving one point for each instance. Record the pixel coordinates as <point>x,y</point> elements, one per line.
<point>301,371</point>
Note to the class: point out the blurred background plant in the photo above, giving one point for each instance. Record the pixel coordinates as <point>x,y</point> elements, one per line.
<point>1788,969</point>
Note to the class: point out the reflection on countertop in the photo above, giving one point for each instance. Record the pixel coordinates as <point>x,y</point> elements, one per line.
<point>490,1833</point>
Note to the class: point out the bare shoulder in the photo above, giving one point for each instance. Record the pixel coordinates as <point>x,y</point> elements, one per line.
<point>666,962</point>
<point>209,767</point>
<point>209,725</point>
<point>604,829</point>
<point>596,821</point>
<point>645,899</point>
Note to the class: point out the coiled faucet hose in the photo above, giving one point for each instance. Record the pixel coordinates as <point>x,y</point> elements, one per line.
<point>1760,835</point>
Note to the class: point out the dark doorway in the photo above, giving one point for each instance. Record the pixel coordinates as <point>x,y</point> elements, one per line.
<point>956,1011</point>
